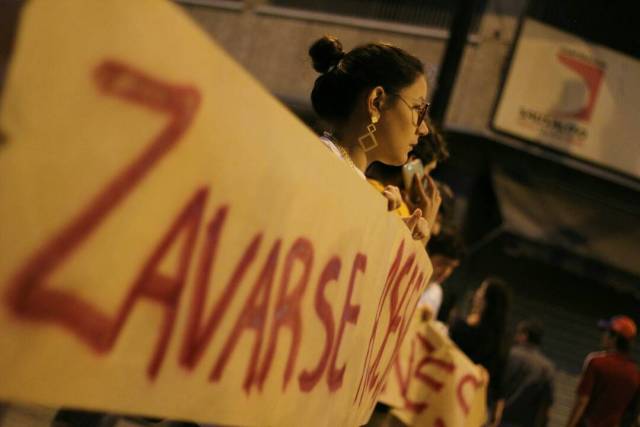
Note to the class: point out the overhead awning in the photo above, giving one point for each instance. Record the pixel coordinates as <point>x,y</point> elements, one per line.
<point>601,234</point>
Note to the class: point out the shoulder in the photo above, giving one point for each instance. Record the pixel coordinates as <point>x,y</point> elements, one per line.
<point>518,357</point>
<point>548,362</point>
<point>517,351</point>
<point>595,359</point>
<point>548,365</point>
<point>376,184</point>
<point>527,353</point>
<point>330,145</point>
<point>596,356</point>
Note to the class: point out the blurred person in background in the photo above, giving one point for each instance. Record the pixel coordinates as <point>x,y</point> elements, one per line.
<point>446,214</point>
<point>528,379</point>
<point>445,251</point>
<point>432,149</point>
<point>610,379</point>
<point>481,335</point>
<point>374,99</point>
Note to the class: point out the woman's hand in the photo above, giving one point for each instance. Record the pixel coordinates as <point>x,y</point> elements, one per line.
<point>393,196</point>
<point>428,201</point>
<point>419,227</point>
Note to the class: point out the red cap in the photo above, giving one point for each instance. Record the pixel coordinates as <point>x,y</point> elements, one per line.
<point>621,325</point>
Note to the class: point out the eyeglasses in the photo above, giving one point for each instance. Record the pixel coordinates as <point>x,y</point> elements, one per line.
<point>421,111</point>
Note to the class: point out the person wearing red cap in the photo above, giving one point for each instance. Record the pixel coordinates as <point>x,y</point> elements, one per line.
<point>610,379</point>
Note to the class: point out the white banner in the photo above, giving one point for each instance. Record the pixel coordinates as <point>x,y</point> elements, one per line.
<point>175,243</point>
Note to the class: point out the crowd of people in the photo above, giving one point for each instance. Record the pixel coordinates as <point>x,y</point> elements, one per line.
<point>374,101</point>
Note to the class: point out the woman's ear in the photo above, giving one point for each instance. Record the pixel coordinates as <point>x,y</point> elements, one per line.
<point>375,102</point>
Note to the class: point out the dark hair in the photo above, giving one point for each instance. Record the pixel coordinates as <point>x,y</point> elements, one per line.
<point>431,147</point>
<point>447,213</point>
<point>344,76</point>
<point>533,329</point>
<point>447,243</point>
<point>493,321</point>
<point>623,344</point>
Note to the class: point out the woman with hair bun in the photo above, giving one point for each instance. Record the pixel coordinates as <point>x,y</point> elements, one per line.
<point>374,98</point>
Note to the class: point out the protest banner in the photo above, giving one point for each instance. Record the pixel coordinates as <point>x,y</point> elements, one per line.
<point>175,243</point>
<point>433,383</point>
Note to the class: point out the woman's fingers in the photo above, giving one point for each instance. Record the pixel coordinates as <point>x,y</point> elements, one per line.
<point>432,187</point>
<point>413,219</point>
<point>421,194</point>
<point>427,183</point>
<point>422,230</point>
<point>434,200</point>
<point>418,226</point>
<point>393,196</point>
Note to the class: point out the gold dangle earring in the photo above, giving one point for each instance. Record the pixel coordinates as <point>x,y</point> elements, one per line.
<point>368,141</point>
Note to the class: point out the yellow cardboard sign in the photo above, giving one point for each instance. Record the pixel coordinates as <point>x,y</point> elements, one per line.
<point>175,243</point>
<point>433,383</point>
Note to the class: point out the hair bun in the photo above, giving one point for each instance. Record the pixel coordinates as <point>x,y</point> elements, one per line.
<point>326,53</point>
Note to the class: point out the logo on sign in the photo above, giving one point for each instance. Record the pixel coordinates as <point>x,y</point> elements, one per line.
<point>591,72</point>
<point>567,121</point>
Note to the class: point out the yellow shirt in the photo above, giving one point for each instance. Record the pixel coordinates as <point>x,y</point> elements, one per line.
<point>403,210</point>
